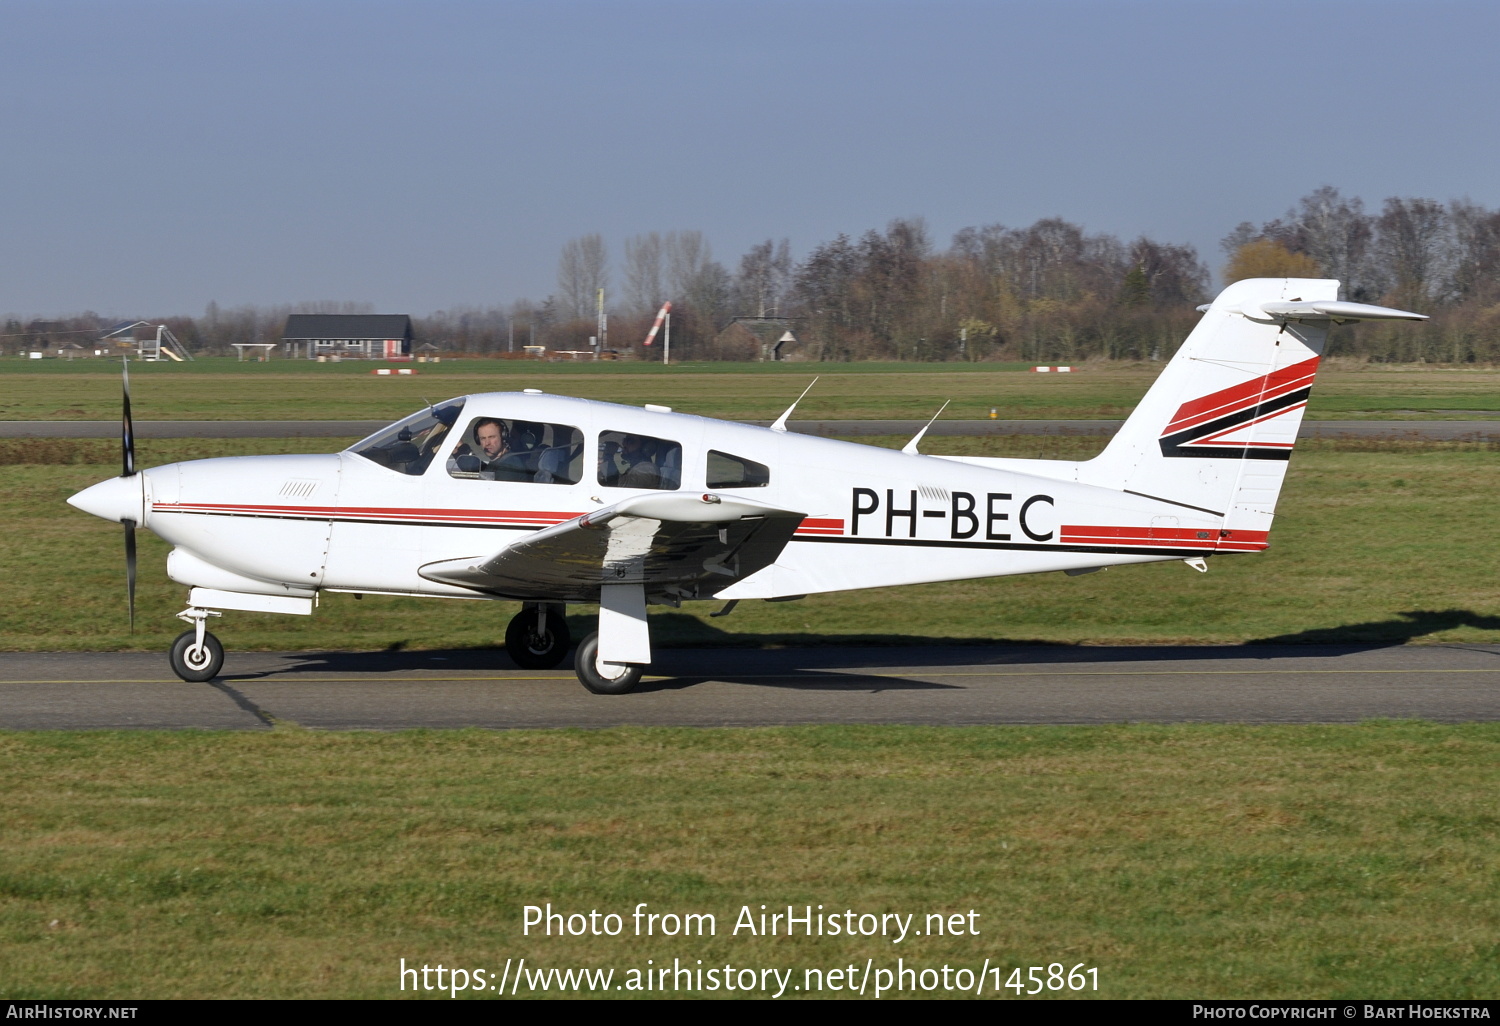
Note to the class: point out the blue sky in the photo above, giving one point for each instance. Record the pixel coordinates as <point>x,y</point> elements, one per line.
<point>420,156</point>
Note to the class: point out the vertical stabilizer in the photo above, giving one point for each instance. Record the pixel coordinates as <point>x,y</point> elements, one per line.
<point>1215,431</point>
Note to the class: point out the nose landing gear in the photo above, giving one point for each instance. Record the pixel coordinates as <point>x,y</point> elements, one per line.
<point>196,655</point>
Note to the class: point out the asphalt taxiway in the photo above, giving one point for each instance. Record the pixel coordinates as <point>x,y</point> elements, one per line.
<point>736,687</point>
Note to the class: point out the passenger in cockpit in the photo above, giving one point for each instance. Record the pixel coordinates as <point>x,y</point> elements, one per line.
<point>639,471</point>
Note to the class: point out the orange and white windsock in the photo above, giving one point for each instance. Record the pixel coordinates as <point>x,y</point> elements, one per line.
<point>661,315</point>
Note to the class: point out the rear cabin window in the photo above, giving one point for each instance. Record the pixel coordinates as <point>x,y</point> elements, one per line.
<point>496,449</point>
<point>726,471</point>
<point>638,461</point>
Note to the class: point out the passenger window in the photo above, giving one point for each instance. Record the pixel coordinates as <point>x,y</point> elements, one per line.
<point>726,471</point>
<point>638,461</point>
<point>495,449</point>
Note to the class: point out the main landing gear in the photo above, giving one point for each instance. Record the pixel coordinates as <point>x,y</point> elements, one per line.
<point>196,655</point>
<point>609,661</point>
<point>537,638</point>
<point>603,678</point>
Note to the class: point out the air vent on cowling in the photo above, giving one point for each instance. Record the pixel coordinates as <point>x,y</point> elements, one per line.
<point>299,487</point>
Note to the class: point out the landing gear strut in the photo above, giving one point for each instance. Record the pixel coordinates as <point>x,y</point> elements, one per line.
<point>196,655</point>
<point>537,638</point>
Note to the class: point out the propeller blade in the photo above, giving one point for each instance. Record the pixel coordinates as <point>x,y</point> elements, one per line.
<point>127,429</point>
<point>130,569</point>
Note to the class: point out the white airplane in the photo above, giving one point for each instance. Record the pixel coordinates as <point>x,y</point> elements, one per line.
<point>550,500</point>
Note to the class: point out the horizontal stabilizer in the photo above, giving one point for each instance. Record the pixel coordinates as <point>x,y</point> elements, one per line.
<point>1325,310</point>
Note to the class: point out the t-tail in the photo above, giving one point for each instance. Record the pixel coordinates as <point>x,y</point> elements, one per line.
<point>1215,431</point>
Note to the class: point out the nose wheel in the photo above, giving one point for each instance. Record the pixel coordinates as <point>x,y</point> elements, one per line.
<point>196,655</point>
<point>196,659</point>
<point>537,637</point>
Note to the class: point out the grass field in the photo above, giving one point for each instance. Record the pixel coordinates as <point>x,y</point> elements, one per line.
<point>1203,862</point>
<point>225,390</point>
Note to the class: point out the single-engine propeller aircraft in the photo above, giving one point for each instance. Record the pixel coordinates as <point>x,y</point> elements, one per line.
<point>550,500</point>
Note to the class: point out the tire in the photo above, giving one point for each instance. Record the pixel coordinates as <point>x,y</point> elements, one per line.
<point>588,673</point>
<point>194,664</point>
<point>532,651</point>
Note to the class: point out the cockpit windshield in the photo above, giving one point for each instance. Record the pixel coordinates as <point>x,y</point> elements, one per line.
<point>408,446</point>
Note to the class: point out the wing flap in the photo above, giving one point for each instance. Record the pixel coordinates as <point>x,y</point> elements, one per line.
<point>678,544</point>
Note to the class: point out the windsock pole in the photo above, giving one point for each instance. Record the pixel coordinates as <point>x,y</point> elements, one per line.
<point>661,315</point>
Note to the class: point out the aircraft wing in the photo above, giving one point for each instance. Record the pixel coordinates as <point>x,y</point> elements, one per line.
<point>680,545</point>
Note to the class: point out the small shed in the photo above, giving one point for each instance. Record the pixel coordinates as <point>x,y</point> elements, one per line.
<point>352,336</point>
<point>756,338</point>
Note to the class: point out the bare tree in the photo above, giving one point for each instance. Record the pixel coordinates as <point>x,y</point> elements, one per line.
<point>1413,244</point>
<point>645,288</point>
<point>687,253</point>
<point>765,275</point>
<point>1336,233</point>
<point>1052,259</point>
<point>1476,239</point>
<point>582,270</point>
<point>1170,274</point>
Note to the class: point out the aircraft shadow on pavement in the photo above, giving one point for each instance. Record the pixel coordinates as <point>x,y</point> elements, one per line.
<point>824,662</point>
<point>816,680</point>
<point>1413,624</point>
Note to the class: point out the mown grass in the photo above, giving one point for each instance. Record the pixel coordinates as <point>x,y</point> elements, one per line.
<point>1335,862</point>
<point>292,390</point>
<point>1374,541</point>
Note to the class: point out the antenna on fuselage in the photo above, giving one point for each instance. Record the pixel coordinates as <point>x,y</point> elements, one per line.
<point>911,447</point>
<point>780,424</point>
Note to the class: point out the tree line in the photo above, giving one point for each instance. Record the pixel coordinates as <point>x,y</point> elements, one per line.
<point>1050,292</point>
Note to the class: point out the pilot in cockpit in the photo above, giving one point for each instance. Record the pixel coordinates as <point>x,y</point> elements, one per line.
<point>491,444</point>
<point>493,441</point>
<point>491,455</point>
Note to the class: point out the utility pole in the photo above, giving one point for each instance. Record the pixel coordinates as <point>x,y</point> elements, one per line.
<point>603,329</point>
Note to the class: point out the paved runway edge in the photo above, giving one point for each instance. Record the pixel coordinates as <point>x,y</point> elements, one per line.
<point>950,686</point>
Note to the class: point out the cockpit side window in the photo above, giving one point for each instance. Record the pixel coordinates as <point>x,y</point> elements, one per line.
<point>408,446</point>
<point>726,471</point>
<point>638,461</point>
<point>498,449</point>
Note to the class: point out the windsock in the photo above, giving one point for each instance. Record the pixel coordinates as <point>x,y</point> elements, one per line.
<point>661,315</point>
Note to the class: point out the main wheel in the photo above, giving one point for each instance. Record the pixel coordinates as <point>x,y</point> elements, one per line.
<point>531,650</point>
<point>588,672</point>
<point>195,663</point>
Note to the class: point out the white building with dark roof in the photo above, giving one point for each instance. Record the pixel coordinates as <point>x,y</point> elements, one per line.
<point>350,336</point>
